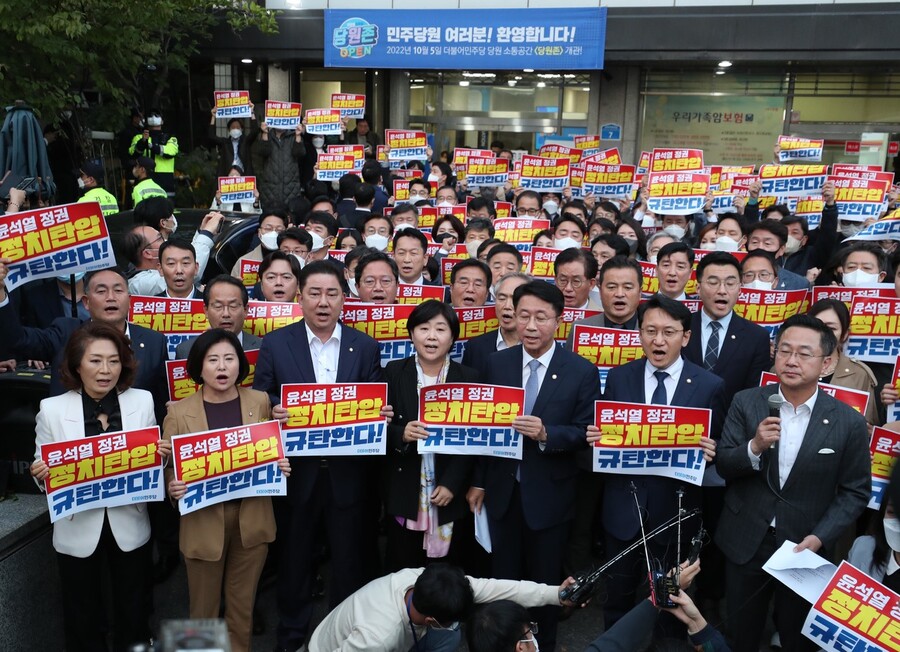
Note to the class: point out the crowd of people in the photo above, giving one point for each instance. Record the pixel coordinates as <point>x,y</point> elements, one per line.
<point>800,474</point>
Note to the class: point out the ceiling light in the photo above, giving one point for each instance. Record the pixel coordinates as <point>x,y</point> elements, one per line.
<point>418,81</point>
<point>542,84</point>
<point>527,69</point>
<point>512,82</point>
<point>720,72</point>
<point>246,60</point>
<point>464,83</point>
<point>725,64</point>
<point>518,77</point>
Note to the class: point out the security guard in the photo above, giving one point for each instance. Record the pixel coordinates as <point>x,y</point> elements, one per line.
<point>161,147</point>
<point>91,181</point>
<point>144,186</point>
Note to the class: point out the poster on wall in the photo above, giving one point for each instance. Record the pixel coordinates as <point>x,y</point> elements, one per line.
<point>729,130</point>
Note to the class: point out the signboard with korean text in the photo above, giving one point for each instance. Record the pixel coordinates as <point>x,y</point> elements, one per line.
<point>544,174</point>
<point>874,330</point>
<point>54,241</point>
<point>471,419</point>
<point>110,470</point>
<point>358,152</point>
<point>794,148</point>
<point>667,159</point>
<point>237,189</point>
<point>249,272</point>
<point>609,156</point>
<point>263,317</point>
<point>232,104</point>
<point>417,294</point>
<point>386,324</point>
<point>854,612</point>
<point>608,181</point>
<point>472,323</point>
<point>283,115</point>
<point>883,449</point>
<point>177,319</point>
<point>792,180</point>
<point>181,386</point>
<point>769,308</point>
<point>638,439</point>
<point>857,399</point>
<point>606,347</point>
<point>561,38</point>
<point>543,262</point>
<point>227,464</point>
<point>555,150</point>
<point>893,410</point>
<point>404,145</point>
<point>859,199</point>
<point>521,230</point>
<point>323,122</point>
<point>568,318</point>
<point>482,171</point>
<point>845,294</point>
<point>331,167</point>
<point>677,193</point>
<point>351,105</point>
<point>334,419</point>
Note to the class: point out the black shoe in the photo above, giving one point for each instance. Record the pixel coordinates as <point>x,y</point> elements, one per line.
<point>164,567</point>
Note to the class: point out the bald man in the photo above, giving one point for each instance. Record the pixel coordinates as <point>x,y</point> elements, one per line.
<point>141,248</point>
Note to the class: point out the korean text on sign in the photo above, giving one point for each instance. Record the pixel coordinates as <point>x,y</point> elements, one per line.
<point>855,398</point>
<point>232,104</point>
<point>606,347</point>
<point>335,419</point>
<point>177,319</point>
<point>331,167</point>
<point>544,174</point>
<point>883,449</point>
<point>792,180</point>
<point>323,122</point>
<point>472,323</point>
<point>237,189</point>
<point>471,419</point>
<point>54,241</point>
<point>677,193</point>
<point>799,149</point>
<point>568,318</point>
<point>769,308</point>
<point>264,317</point>
<point>283,115</point>
<point>384,323</point>
<point>230,463</point>
<point>638,439</point>
<point>854,612</point>
<point>350,105</point>
<point>111,470</point>
<point>484,171</point>
<point>406,145</point>
<point>874,330</point>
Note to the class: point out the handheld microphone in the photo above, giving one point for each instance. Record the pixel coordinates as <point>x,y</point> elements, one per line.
<point>775,402</point>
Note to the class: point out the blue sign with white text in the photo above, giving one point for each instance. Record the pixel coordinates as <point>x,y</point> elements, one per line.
<point>474,39</point>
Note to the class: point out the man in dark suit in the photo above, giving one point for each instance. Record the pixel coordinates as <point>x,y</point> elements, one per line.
<point>737,351</point>
<point>178,267</point>
<point>39,302</point>
<point>803,476</point>
<point>346,187</point>
<point>479,349</point>
<point>225,301</point>
<point>662,377</point>
<point>319,349</point>
<point>530,503</point>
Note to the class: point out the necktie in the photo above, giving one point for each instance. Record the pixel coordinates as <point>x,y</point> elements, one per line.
<point>712,346</point>
<point>531,386</point>
<point>659,394</point>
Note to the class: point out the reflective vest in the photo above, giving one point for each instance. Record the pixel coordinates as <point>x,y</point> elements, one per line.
<point>162,152</point>
<point>108,203</point>
<point>146,188</point>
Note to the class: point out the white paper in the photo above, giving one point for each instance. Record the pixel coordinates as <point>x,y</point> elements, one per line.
<point>804,572</point>
<point>482,532</point>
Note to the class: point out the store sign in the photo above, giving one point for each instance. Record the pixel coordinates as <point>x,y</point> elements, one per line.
<point>474,39</point>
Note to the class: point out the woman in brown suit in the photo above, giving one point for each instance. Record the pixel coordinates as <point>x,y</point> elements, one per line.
<point>224,545</point>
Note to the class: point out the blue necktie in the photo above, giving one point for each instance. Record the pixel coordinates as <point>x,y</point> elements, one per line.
<point>712,346</point>
<point>531,386</point>
<point>659,394</point>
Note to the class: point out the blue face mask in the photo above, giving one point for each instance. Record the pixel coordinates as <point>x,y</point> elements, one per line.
<point>67,277</point>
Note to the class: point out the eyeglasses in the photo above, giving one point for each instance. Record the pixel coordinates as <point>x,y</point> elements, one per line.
<point>222,307</point>
<point>564,281</point>
<point>273,277</point>
<point>371,281</point>
<point>149,245</point>
<point>530,212</point>
<point>749,277</point>
<point>667,333</point>
<point>540,320</point>
<point>268,228</point>
<point>465,282</point>
<point>802,356</point>
<point>714,282</point>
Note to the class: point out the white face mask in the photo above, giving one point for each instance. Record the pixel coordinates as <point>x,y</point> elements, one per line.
<point>726,244</point>
<point>351,283</point>
<point>472,248</point>
<point>792,246</point>
<point>565,243</point>
<point>444,203</point>
<point>318,242</point>
<point>675,231</point>
<point>318,142</point>
<point>235,133</point>
<point>551,207</point>
<point>756,284</point>
<point>174,224</point>
<point>299,260</point>
<point>858,278</point>
<point>80,182</point>
<point>892,533</point>
<point>402,227</point>
<point>269,240</point>
<point>68,277</point>
<point>533,640</point>
<point>154,121</point>
<point>433,179</point>
<point>850,229</point>
<point>377,241</point>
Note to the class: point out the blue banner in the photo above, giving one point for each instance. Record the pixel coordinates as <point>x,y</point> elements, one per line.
<point>474,39</point>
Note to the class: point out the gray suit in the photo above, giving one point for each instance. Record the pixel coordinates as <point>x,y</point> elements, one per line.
<point>826,492</point>
<point>249,341</point>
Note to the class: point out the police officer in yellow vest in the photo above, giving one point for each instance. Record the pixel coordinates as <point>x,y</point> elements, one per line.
<point>144,186</point>
<point>91,181</point>
<point>161,147</point>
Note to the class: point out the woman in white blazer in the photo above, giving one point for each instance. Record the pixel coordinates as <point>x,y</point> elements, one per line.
<point>97,368</point>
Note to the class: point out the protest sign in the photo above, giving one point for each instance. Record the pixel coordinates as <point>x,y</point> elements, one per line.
<point>519,230</point>
<point>608,181</point>
<point>331,167</point>
<point>793,148</point>
<point>604,157</point>
<point>543,261</point>
<point>675,160</point>
<point>544,174</point>
<point>677,193</point>
<point>855,398</point>
<point>606,347</point>
<point>177,319</point>
<point>416,294</point>
<point>351,105</point>
<point>334,419</point>
<point>568,318</point>
<point>483,171</point>
<point>232,104</point>
<point>874,330</point>
<point>54,241</point>
<point>792,180</point>
<point>883,449</point>
<point>109,470</point>
<point>234,190</point>
<point>555,150</point>
<point>263,317</point>
<point>386,324</point>
<point>228,463</point>
<point>769,308</point>
<point>323,122</point>
<point>859,199</point>
<point>249,271</point>
<point>471,419</point>
<point>405,145</point>
<point>283,115</point>
<point>472,323</point>
<point>638,439</point>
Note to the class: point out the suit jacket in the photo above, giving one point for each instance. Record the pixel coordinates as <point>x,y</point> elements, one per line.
<point>565,404</point>
<point>284,358</point>
<point>656,495</point>
<point>20,342</point>
<point>478,351</point>
<point>61,418</point>
<point>743,356</point>
<point>196,294</point>
<point>249,342</point>
<point>402,468</point>
<point>354,219</point>
<point>202,533</point>
<point>828,488</point>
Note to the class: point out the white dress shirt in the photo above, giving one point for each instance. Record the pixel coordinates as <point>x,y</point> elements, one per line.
<point>671,383</point>
<point>794,423</point>
<point>542,369</point>
<point>325,354</point>
<point>706,330</point>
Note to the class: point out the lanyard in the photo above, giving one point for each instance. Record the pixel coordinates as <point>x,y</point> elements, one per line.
<point>411,626</point>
